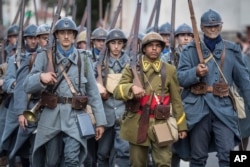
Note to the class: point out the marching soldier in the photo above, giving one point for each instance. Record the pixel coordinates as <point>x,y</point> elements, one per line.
<point>58,118</point>
<point>183,35</point>
<point>26,131</point>
<point>208,107</point>
<point>149,73</point>
<point>114,63</point>
<point>11,124</point>
<point>165,31</point>
<point>98,37</point>
<point>12,35</point>
<point>81,40</point>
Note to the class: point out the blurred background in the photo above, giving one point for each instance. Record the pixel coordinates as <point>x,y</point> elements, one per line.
<point>235,14</point>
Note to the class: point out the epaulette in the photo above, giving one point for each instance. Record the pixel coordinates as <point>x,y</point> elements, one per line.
<point>232,46</point>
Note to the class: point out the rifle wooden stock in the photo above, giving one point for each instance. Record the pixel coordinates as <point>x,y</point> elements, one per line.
<point>103,51</point>
<point>172,36</point>
<point>88,23</point>
<point>74,10</point>
<point>195,30</point>
<point>84,19</point>
<point>106,15</point>
<point>134,52</point>
<point>20,35</point>
<point>157,15</point>
<point>50,66</point>
<point>36,15</point>
<point>152,15</point>
<point>17,13</point>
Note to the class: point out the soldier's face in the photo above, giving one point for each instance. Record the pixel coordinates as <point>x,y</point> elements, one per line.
<point>211,31</point>
<point>98,43</point>
<point>12,39</point>
<point>166,39</point>
<point>31,42</point>
<point>184,39</point>
<point>65,38</point>
<point>153,50</point>
<point>81,45</point>
<point>115,47</point>
<point>43,40</point>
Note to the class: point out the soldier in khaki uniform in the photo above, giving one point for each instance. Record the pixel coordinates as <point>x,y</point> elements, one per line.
<point>149,73</point>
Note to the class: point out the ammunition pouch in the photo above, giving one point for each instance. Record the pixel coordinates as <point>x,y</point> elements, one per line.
<point>162,112</point>
<point>220,89</point>
<point>132,105</point>
<point>79,102</point>
<point>199,88</point>
<point>49,100</point>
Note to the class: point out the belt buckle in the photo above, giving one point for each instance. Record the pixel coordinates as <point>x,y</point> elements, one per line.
<point>66,100</point>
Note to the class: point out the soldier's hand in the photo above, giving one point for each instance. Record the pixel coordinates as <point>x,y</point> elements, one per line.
<point>201,70</point>
<point>102,91</point>
<point>99,132</point>
<point>22,121</point>
<point>138,91</point>
<point>48,78</point>
<point>182,134</point>
<point>1,82</point>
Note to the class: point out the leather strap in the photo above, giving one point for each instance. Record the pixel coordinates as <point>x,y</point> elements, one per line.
<point>163,81</point>
<point>144,121</point>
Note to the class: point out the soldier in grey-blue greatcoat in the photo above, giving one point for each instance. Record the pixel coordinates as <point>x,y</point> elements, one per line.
<point>12,34</point>
<point>165,31</point>
<point>113,63</point>
<point>59,119</point>
<point>210,114</point>
<point>26,131</point>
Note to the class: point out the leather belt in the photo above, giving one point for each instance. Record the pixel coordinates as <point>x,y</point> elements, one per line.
<point>64,100</point>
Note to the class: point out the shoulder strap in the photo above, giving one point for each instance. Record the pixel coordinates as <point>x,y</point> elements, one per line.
<point>163,81</point>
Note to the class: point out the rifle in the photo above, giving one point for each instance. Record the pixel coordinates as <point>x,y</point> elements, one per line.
<point>36,12</point>
<point>130,38</point>
<point>106,16</point>
<point>2,34</point>
<point>88,23</point>
<point>104,49</point>
<point>157,15</point>
<point>134,45</point>
<point>74,10</point>
<point>50,65</point>
<point>20,35</point>
<point>17,13</point>
<point>84,18</point>
<point>173,58</point>
<point>196,34</point>
<point>152,15</point>
<point>100,13</point>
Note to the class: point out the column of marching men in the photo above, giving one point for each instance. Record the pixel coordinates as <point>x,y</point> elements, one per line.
<point>206,122</point>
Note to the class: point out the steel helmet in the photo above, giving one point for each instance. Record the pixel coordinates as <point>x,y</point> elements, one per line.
<point>65,24</point>
<point>81,37</point>
<point>165,28</point>
<point>99,33</point>
<point>13,30</point>
<point>115,34</point>
<point>183,29</point>
<point>151,37</point>
<point>30,31</point>
<point>43,29</point>
<point>211,18</point>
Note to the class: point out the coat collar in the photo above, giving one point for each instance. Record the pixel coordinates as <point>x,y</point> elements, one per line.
<point>146,64</point>
<point>217,51</point>
<point>122,60</point>
<point>73,57</point>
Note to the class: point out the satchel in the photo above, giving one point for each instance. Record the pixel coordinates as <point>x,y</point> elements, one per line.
<point>162,112</point>
<point>166,133</point>
<point>79,102</point>
<point>85,126</point>
<point>112,81</point>
<point>238,103</point>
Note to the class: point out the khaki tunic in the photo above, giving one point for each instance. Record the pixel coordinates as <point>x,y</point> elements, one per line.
<point>129,126</point>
